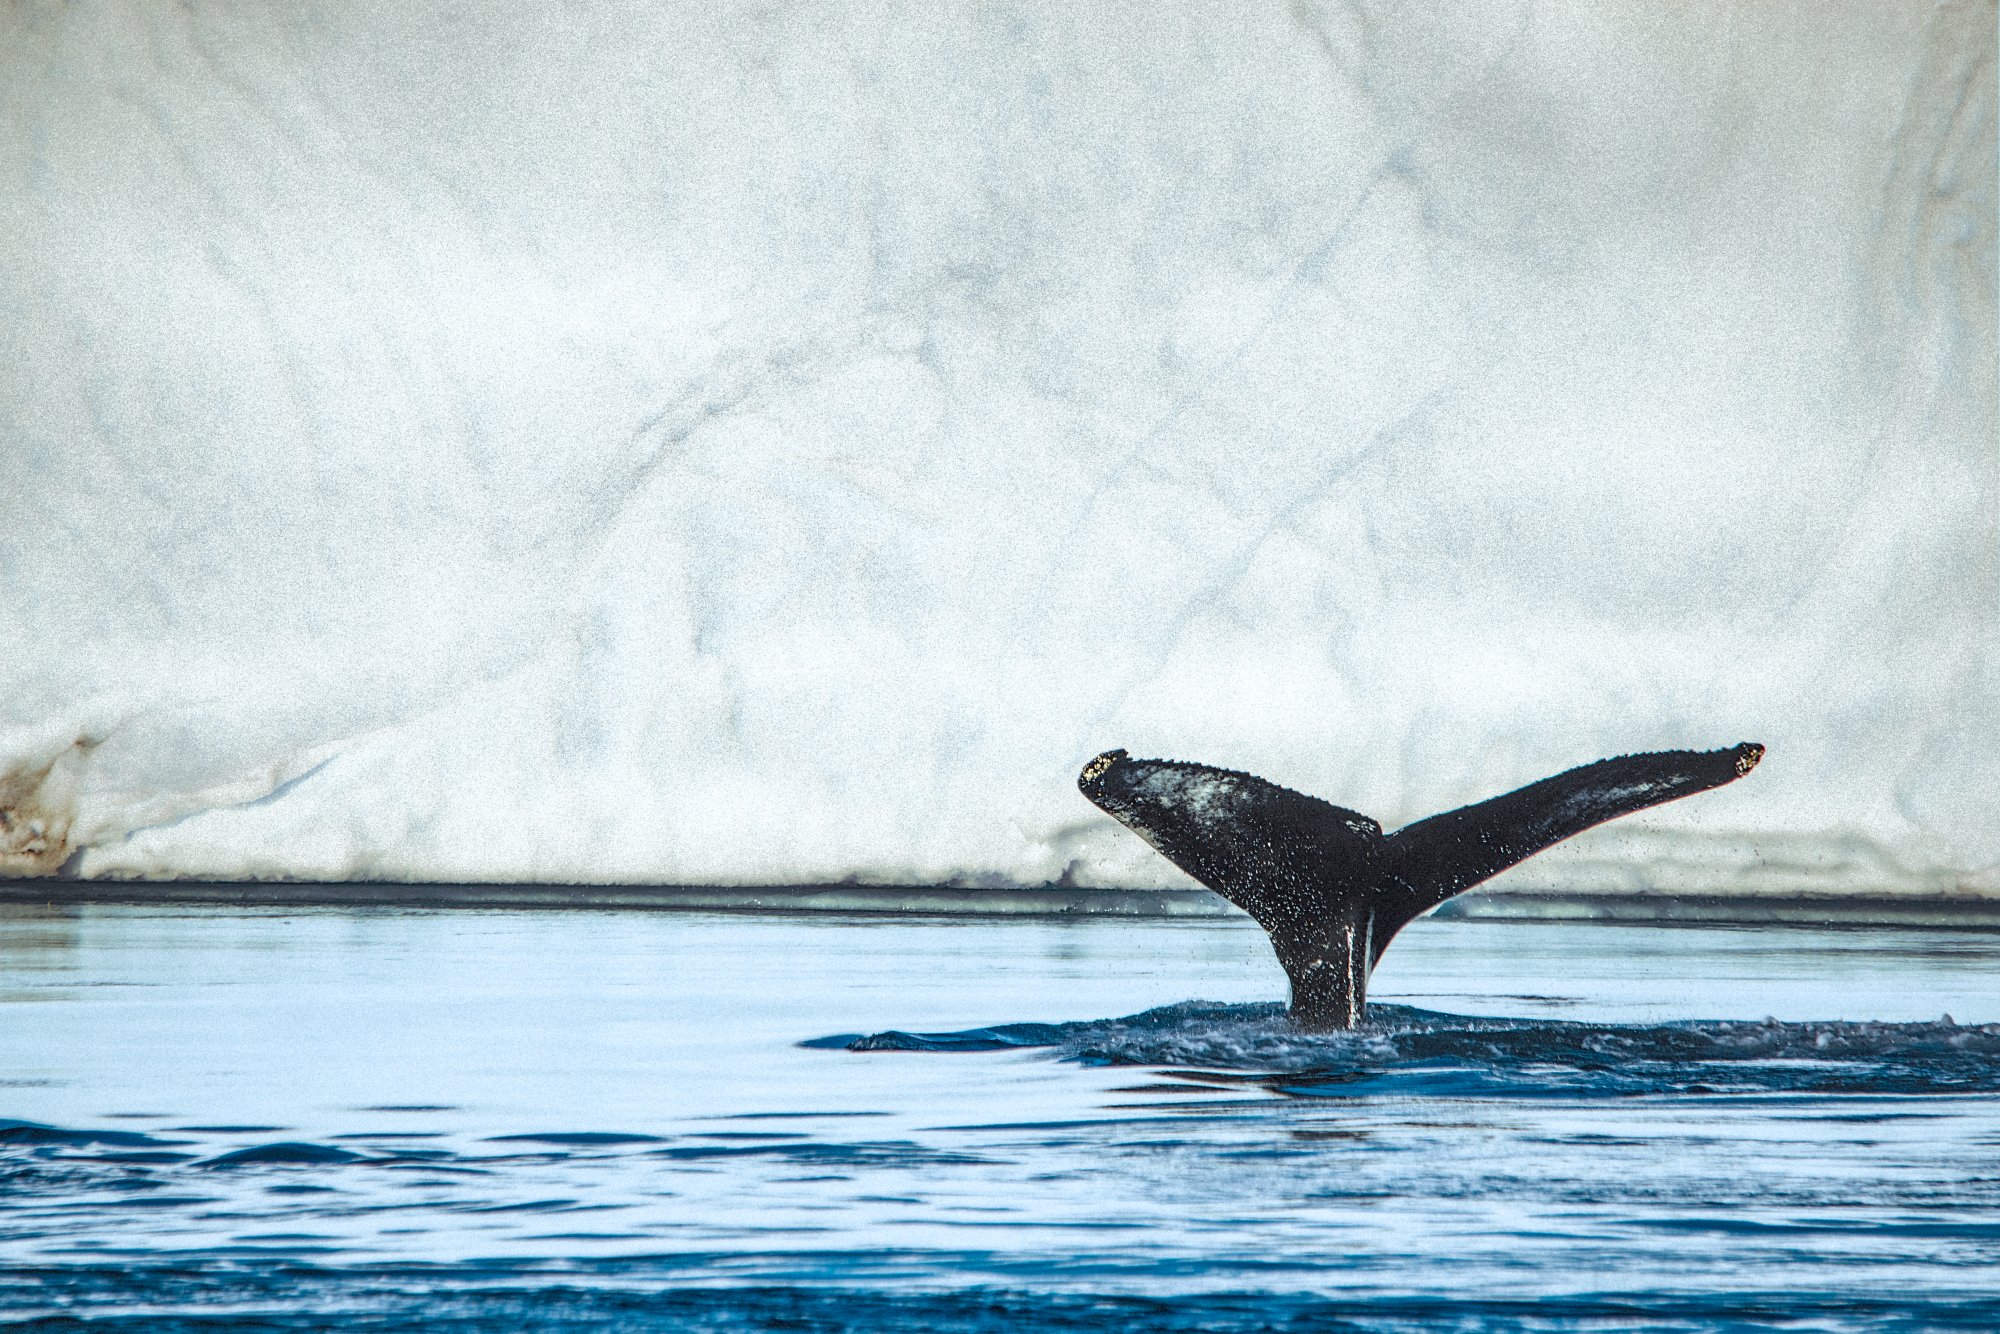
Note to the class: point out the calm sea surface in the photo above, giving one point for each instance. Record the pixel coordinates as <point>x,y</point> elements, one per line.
<point>239,1119</point>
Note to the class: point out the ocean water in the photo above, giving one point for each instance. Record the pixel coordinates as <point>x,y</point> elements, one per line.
<point>259,1120</point>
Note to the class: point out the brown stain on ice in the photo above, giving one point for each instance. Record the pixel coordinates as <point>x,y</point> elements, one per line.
<point>36,813</point>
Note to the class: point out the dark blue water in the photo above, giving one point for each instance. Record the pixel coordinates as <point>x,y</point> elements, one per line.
<point>233,1120</point>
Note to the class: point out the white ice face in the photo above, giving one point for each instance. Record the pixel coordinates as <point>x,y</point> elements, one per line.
<point>706,443</point>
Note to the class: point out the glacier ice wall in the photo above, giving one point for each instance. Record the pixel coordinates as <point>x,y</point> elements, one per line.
<point>765,443</point>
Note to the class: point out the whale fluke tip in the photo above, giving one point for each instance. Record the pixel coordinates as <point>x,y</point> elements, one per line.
<point>1096,768</point>
<point>1747,755</point>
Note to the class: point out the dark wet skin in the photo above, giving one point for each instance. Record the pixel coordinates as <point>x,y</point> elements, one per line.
<point>1330,888</point>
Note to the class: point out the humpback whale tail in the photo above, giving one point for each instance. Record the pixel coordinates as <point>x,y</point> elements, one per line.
<point>1330,888</point>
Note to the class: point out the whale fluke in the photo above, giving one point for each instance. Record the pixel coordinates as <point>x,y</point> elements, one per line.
<point>1330,888</point>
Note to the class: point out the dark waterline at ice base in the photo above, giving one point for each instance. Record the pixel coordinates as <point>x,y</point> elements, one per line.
<point>223,1119</point>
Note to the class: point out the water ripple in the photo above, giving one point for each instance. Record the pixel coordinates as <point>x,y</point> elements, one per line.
<point>1408,1051</point>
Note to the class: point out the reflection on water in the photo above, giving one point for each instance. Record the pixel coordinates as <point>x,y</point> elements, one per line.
<point>598,1120</point>
<point>35,940</point>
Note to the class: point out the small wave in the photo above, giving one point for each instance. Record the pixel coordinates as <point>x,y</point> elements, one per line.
<point>35,1133</point>
<point>972,1039</point>
<point>575,1138</point>
<point>1408,1050</point>
<point>282,1153</point>
<point>885,1153</point>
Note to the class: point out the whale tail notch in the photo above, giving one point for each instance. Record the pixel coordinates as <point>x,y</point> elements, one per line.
<point>1329,887</point>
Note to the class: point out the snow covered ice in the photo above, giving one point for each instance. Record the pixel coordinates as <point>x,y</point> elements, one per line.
<point>715,443</point>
